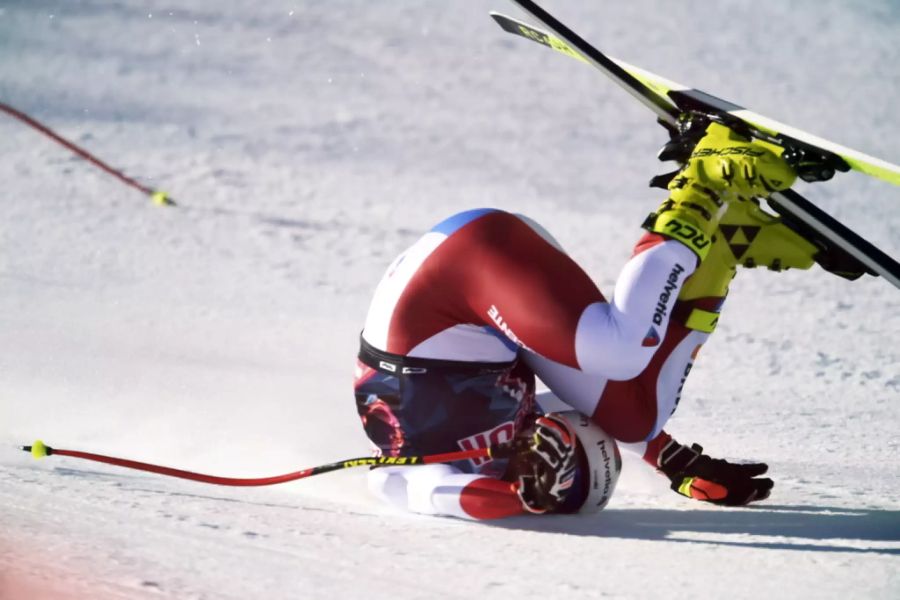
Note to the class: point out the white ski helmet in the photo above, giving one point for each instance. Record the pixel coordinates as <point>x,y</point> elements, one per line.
<point>599,463</point>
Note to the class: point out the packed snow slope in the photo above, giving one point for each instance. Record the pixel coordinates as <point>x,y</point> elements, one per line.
<point>309,142</point>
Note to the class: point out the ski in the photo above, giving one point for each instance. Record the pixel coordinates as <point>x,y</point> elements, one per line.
<point>685,99</point>
<point>579,49</point>
<point>673,103</point>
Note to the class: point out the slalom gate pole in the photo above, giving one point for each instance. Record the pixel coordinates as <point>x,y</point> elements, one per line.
<point>159,198</point>
<point>40,450</point>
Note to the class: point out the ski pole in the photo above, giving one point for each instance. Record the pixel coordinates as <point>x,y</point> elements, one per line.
<point>39,450</point>
<point>159,198</point>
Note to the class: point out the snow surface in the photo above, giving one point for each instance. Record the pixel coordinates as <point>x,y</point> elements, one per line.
<point>309,142</point>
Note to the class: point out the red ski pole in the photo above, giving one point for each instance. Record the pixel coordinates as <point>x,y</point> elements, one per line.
<point>40,450</point>
<point>158,197</point>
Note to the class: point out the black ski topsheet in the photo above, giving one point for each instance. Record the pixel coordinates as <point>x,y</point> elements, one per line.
<point>792,205</point>
<point>818,226</point>
<point>821,157</point>
<point>663,109</point>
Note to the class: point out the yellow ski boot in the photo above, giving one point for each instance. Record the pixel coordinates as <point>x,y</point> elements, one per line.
<point>713,209</point>
<point>724,169</point>
<point>748,236</point>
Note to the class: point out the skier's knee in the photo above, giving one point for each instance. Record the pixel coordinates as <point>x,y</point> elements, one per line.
<point>612,347</point>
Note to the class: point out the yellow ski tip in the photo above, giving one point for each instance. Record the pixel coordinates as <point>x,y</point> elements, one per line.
<point>39,450</point>
<point>162,199</point>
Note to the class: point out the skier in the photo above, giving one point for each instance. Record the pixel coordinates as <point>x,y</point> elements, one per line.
<point>464,319</point>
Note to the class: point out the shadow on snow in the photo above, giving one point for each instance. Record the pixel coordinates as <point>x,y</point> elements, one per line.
<point>808,528</point>
<point>773,527</point>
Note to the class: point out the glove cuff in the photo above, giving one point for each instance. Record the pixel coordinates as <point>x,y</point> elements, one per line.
<point>675,458</point>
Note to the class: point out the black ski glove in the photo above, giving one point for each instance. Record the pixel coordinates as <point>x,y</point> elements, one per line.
<point>696,475</point>
<point>544,464</point>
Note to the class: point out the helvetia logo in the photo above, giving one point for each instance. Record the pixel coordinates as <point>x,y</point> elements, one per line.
<point>662,307</point>
<point>607,477</point>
